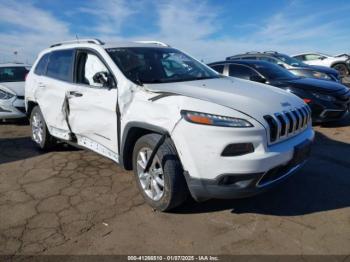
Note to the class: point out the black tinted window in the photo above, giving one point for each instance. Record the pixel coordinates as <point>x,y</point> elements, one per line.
<point>241,71</point>
<point>273,71</point>
<point>60,65</point>
<point>300,57</point>
<point>268,59</point>
<point>42,64</point>
<point>13,74</point>
<point>218,68</point>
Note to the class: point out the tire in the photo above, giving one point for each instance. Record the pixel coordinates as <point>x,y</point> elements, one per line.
<point>166,167</point>
<point>40,133</point>
<point>342,69</point>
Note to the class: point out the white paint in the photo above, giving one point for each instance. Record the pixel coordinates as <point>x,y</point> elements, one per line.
<point>93,116</point>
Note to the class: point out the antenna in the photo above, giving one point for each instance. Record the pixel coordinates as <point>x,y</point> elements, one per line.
<point>76,36</point>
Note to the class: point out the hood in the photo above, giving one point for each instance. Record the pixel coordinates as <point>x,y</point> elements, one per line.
<point>251,98</point>
<point>336,59</point>
<point>14,87</point>
<point>324,69</point>
<point>318,85</point>
<point>343,55</point>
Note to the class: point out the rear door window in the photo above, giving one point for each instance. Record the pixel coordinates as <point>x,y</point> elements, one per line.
<point>40,69</point>
<point>61,65</point>
<point>218,68</point>
<point>241,71</point>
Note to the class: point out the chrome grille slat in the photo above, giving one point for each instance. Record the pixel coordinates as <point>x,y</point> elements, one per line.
<point>299,118</point>
<point>279,126</point>
<point>301,112</point>
<point>286,120</point>
<point>306,115</point>
<point>287,123</point>
<point>294,121</point>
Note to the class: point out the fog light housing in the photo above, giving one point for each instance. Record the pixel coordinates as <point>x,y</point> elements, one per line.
<point>238,149</point>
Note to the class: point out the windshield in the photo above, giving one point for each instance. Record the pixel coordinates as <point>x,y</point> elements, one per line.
<point>273,72</point>
<point>290,60</point>
<point>158,65</point>
<point>13,74</point>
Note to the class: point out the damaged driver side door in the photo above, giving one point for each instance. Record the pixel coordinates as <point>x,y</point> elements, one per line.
<point>92,102</point>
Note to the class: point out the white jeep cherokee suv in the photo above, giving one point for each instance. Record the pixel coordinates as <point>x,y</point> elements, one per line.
<point>179,125</point>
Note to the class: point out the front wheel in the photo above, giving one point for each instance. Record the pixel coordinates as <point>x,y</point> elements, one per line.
<point>342,69</point>
<point>40,133</point>
<point>163,186</point>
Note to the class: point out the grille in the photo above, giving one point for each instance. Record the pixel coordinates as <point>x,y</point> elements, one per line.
<point>286,124</point>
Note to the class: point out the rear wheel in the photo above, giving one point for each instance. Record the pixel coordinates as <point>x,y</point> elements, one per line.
<point>342,69</point>
<point>40,133</point>
<point>163,186</point>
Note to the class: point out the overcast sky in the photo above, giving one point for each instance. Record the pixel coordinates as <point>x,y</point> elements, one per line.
<point>209,30</point>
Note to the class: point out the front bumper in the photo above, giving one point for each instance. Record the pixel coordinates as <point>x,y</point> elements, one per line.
<point>12,108</point>
<point>240,186</point>
<point>329,111</point>
<point>200,148</point>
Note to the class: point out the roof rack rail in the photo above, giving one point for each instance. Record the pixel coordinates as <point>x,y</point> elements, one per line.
<point>77,41</point>
<point>153,42</point>
<point>270,52</point>
<point>253,52</point>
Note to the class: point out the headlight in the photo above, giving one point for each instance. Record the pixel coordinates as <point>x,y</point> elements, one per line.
<point>5,95</point>
<point>214,120</point>
<point>321,75</point>
<point>311,73</point>
<point>324,97</point>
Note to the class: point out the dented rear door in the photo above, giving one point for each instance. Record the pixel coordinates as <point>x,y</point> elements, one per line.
<point>52,89</point>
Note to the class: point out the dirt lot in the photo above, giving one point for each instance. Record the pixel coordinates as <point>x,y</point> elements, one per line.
<point>76,202</point>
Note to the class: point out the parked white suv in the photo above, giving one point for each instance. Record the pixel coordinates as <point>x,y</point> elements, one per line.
<point>340,62</point>
<point>12,76</point>
<point>177,123</point>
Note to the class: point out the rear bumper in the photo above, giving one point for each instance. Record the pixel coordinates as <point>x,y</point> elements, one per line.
<point>12,108</point>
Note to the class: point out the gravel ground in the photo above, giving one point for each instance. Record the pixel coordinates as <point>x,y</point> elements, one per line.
<point>73,201</point>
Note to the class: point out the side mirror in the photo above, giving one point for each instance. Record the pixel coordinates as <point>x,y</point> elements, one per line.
<point>104,79</point>
<point>257,78</point>
<point>282,65</point>
<point>323,58</point>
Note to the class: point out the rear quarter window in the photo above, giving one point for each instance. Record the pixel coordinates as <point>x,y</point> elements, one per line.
<point>60,65</point>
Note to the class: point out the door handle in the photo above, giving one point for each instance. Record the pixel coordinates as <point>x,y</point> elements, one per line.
<point>41,84</point>
<point>74,94</point>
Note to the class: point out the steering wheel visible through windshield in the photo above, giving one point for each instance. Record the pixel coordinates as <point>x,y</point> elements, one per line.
<point>146,65</point>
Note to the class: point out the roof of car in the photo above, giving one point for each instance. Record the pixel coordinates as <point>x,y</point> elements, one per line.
<point>14,64</point>
<point>239,61</point>
<point>266,53</point>
<point>308,53</point>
